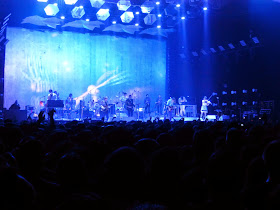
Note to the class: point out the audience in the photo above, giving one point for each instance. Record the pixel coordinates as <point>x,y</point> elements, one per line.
<point>139,165</point>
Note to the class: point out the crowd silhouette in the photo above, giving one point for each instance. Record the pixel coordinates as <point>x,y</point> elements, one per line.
<point>139,165</point>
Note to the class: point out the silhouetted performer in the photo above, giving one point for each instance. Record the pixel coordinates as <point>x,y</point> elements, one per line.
<point>129,106</point>
<point>15,106</point>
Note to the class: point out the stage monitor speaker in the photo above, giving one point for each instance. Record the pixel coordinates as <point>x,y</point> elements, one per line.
<point>211,117</point>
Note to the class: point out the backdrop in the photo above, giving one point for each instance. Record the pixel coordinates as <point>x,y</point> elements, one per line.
<point>86,65</point>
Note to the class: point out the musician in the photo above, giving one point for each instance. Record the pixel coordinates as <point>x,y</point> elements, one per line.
<point>104,108</point>
<point>170,107</point>
<point>129,106</point>
<point>182,102</point>
<point>147,103</point>
<point>15,106</point>
<point>52,95</point>
<point>57,95</point>
<point>159,104</point>
<point>204,109</point>
<point>69,102</point>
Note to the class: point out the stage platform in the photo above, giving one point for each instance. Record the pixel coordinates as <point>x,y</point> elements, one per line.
<point>128,119</point>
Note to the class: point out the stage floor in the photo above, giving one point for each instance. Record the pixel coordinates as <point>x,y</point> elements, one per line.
<point>128,119</point>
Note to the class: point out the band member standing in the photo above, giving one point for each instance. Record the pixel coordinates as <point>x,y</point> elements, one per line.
<point>204,109</point>
<point>52,95</point>
<point>69,105</point>
<point>147,102</point>
<point>170,108</point>
<point>57,95</point>
<point>15,106</point>
<point>123,99</point>
<point>182,102</point>
<point>159,105</point>
<point>129,106</point>
<point>70,102</point>
<point>104,109</point>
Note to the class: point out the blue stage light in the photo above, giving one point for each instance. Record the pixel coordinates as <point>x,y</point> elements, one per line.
<point>127,17</point>
<point>159,26</point>
<point>62,17</point>
<point>205,8</point>
<point>157,3</point>
<point>51,10</point>
<point>42,0</point>
<point>136,24</point>
<point>103,14</point>
<point>70,2</point>
<point>183,18</point>
<point>159,15</point>
<point>178,5</point>
<point>114,22</point>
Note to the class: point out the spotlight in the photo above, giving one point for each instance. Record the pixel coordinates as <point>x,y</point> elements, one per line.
<point>51,10</point>
<point>178,5</point>
<point>244,91</point>
<point>159,15</point>
<point>114,22</point>
<point>243,43</point>
<point>231,46</point>
<point>87,20</point>
<point>224,93</point>
<point>244,103</point>
<point>256,40</point>
<point>62,17</point>
<point>224,104</point>
<point>70,2</point>
<point>159,26</point>
<point>213,50</point>
<point>221,48</point>
<point>42,0</point>
<point>81,7</point>
<point>195,54</point>
<point>203,52</point>
<point>255,102</point>
<point>137,13</point>
<point>233,92</point>
<point>157,3</point>
<point>254,90</point>
<point>233,103</point>
<point>136,24</point>
<point>205,8</point>
<point>183,18</point>
<point>55,4</point>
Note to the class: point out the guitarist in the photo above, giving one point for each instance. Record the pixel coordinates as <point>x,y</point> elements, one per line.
<point>170,107</point>
<point>147,102</point>
<point>204,109</point>
<point>104,109</point>
<point>159,103</point>
<point>129,106</point>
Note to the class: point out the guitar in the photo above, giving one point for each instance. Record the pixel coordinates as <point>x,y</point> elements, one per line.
<point>105,108</point>
<point>129,105</point>
<point>171,108</point>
